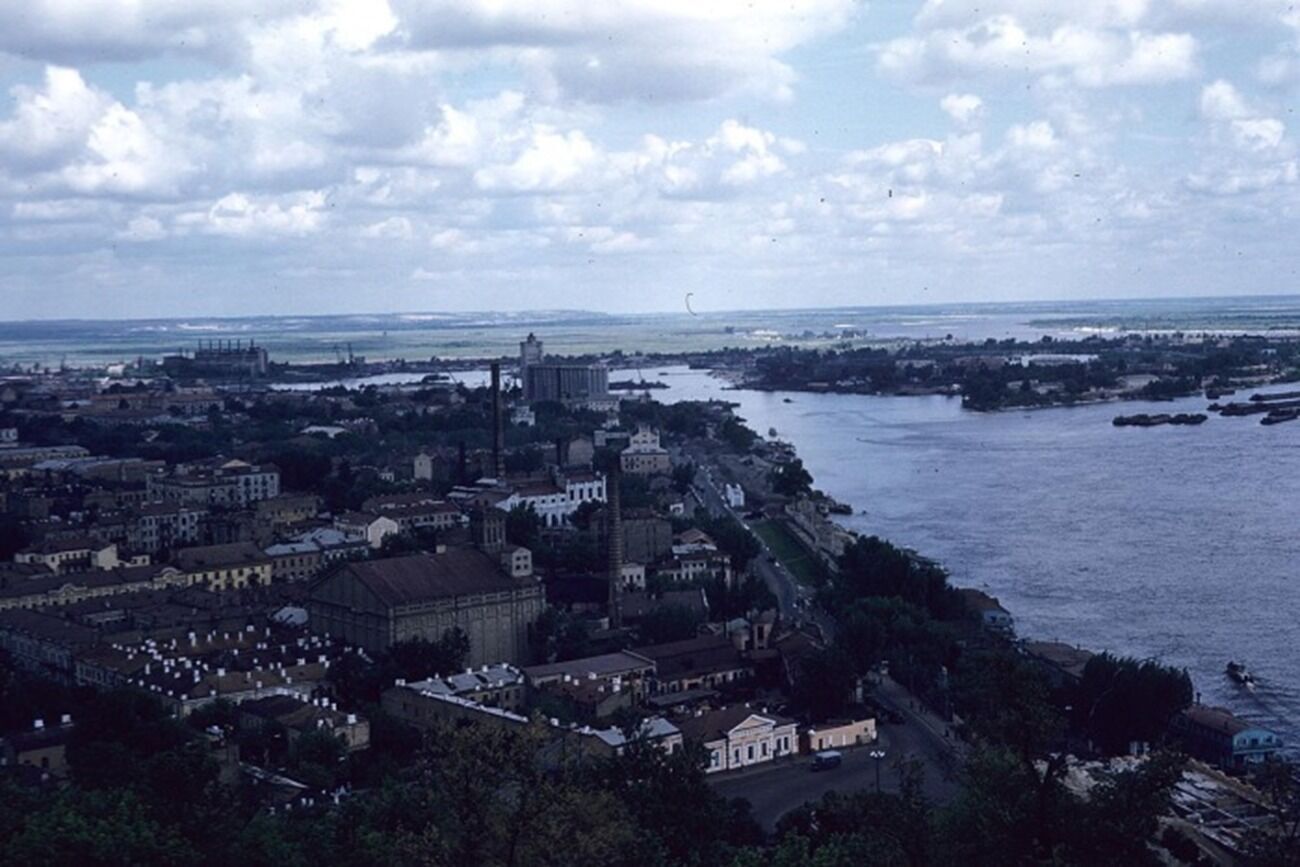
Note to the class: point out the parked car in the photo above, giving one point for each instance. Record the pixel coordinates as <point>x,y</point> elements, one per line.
<point>826,759</point>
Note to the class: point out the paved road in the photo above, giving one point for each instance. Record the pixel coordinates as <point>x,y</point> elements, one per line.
<point>932,735</point>
<point>776,789</point>
<point>792,597</point>
<point>773,790</point>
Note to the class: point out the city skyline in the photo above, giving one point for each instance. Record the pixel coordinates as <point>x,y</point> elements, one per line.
<point>219,161</point>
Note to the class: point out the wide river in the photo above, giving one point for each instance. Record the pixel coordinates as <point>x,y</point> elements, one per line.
<point>1178,543</point>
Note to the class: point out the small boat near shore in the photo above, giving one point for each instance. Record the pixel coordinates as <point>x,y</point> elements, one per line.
<point>1238,674</point>
<point>1278,416</point>
<point>1266,397</point>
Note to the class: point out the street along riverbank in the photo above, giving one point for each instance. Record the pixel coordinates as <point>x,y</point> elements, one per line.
<point>1176,543</point>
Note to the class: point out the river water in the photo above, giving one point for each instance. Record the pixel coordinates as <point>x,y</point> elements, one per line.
<point>1178,543</point>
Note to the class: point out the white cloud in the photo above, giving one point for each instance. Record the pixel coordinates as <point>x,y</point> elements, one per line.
<point>1001,45</point>
<point>53,122</point>
<point>142,229</point>
<point>241,215</point>
<point>1036,136</point>
<point>113,30</point>
<point>757,160</point>
<point>124,156</point>
<point>1221,101</point>
<point>551,161</point>
<point>1245,151</point>
<point>70,137</point>
<point>964,108</point>
<point>473,141</point>
<point>396,228</point>
<point>645,50</point>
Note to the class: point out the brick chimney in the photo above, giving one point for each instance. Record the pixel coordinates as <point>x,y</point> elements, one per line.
<point>614,537</point>
<point>498,430</point>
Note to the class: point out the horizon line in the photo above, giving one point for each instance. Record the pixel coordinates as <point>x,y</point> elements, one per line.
<point>566,311</point>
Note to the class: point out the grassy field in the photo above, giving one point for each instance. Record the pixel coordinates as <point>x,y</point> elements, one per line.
<point>790,551</point>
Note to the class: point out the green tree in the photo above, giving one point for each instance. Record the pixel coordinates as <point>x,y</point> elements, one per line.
<point>823,685</point>
<point>1006,814</point>
<point>733,540</point>
<point>109,827</point>
<point>680,819</point>
<point>493,802</point>
<point>13,536</point>
<point>316,758</point>
<point>791,480</point>
<point>1120,700</point>
<point>875,828</point>
<point>1278,844</point>
<point>668,623</point>
<point>873,567</point>
<point>523,526</point>
<point>736,434</point>
<point>1121,816</point>
<point>683,476</point>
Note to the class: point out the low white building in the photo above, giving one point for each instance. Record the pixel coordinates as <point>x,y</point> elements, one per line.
<point>584,488</point>
<point>556,501</point>
<point>837,734</point>
<point>329,431</point>
<point>739,736</point>
<point>548,500</point>
<point>372,528</point>
<point>523,415</point>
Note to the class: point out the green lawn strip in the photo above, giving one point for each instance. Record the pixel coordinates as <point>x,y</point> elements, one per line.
<point>787,548</point>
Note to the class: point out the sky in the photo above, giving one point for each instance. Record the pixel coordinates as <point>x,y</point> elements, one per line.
<point>238,157</point>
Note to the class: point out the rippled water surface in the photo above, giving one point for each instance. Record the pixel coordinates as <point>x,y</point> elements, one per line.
<point>1172,542</point>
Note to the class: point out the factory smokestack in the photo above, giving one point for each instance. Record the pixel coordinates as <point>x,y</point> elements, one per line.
<point>614,541</point>
<point>498,432</point>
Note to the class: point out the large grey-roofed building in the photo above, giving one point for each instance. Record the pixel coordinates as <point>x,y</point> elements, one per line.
<point>375,603</point>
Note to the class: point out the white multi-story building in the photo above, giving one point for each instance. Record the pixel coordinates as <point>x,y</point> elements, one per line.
<point>644,438</point>
<point>231,484</point>
<point>688,568</point>
<point>644,456</point>
<point>530,351</point>
<point>166,526</point>
<point>556,500</point>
